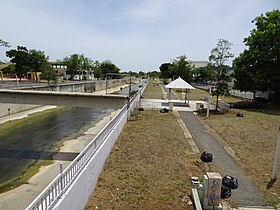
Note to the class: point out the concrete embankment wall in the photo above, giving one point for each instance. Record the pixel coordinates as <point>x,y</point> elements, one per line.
<point>8,109</point>
<point>87,87</point>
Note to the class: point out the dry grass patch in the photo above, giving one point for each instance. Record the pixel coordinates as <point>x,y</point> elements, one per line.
<point>253,138</point>
<point>149,168</point>
<point>153,90</point>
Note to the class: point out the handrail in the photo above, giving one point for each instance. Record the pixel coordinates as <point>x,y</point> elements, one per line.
<point>49,197</point>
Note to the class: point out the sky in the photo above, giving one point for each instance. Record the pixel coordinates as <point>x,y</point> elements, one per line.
<point>136,35</point>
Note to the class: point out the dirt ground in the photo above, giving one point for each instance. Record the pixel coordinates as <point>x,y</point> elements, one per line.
<point>149,167</point>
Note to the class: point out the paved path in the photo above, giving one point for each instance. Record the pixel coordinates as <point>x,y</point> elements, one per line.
<point>179,105</point>
<point>246,194</point>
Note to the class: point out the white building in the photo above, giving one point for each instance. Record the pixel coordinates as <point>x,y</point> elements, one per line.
<point>198,64</point>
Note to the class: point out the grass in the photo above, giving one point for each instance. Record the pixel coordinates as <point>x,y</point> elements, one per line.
<point>31,167</point>
<point>24,176</point>
<point>196,94</point>
<point>149,167</point>
<point>153,90</point>
<point>253,138</point>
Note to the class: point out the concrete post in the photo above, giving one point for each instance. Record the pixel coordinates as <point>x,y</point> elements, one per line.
<point>212,191</point>
<point>277,158</point>
<point>209,102</point>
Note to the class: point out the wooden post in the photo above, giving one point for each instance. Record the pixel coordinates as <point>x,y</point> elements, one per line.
<point>277,158</point>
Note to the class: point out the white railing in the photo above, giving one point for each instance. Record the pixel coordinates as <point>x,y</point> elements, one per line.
<point>49,197</point>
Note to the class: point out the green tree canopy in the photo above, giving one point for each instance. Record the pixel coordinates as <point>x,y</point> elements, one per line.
<point>219,71</point>
<point>48,74</point>
<point>77,64</point>
<point>153,74</point>
<point>19,56</point>
<point>4,43</point>
<point>38,62</point>
<point>28,60</point>
<point>181,67</point>
<point>165,71</point>
<point>202,74</point>
<point>257,68</point>
<point>108,67</point>
<point>96,69</point>
<point>141,74</point>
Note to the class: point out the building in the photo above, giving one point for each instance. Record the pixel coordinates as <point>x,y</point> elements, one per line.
<point>198,64</point>
<point>60,69</point>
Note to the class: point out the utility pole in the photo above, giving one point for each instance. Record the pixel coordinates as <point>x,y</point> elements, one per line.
<point>277,158</point>
<point>129,91</point>
<point>209,102</point>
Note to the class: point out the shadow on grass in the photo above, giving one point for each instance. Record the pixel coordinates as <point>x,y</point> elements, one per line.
<point>37,155</point>
<point>202,113</point>
<point>270,183</point>
<point>260,107</point>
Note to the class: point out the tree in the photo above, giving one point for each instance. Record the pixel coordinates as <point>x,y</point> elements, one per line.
<point>220,76</point>
<point>86,65</point>
<point>141,74</point>
<point>108,67</point>
<point>79,64</point>
<point>49,74</point>
<point>96,69</point>
<point>37,62</point>
<point>33,60</point>
<point>4,43</point>
<point>165,71</point>
<point>181,67</point>
<point>19,56</point>
<point>257,68</point>
<point>153,74</point>
<point>202,74</point>
<point>73,65</point>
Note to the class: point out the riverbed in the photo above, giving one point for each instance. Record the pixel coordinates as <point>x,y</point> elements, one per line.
<point>25,141</point>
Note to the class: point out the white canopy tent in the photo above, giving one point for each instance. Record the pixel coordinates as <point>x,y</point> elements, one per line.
<point>179,83</point>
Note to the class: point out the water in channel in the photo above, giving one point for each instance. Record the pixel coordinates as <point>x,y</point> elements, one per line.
<point>39,136</point>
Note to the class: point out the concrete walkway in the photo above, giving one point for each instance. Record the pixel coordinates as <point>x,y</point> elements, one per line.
<point>246,195</point>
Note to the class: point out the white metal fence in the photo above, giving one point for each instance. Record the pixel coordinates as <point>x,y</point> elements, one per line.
<point>51,195</point>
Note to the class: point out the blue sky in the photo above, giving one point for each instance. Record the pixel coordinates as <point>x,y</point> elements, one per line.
<point>136,35</point>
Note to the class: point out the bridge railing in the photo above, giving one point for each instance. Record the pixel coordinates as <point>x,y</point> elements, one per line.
<point>49,197</point>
